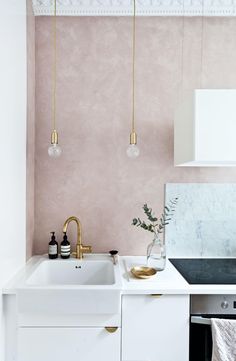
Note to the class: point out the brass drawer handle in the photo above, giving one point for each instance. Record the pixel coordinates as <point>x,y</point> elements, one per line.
<point>111,329</point>
<point>156,295</point>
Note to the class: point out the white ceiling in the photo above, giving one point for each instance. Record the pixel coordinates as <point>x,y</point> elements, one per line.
<point>144,7</point>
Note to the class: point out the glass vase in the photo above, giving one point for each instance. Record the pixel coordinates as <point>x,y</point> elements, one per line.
<point>156,254</point>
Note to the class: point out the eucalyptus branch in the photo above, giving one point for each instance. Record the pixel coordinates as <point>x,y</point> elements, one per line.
<point>156,225</point>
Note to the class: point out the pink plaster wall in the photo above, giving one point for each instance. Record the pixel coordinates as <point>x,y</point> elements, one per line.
<point>94,179</point>
<point>30,129</point>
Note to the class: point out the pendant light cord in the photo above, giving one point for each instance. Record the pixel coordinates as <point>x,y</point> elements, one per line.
<point>133,64</point>
<point>181,93</point>
<point>54,67</point>
<point>202,46</point>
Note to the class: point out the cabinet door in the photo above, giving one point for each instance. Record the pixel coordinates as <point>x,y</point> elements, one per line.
<point>155,328</point>
<point>73,344</point>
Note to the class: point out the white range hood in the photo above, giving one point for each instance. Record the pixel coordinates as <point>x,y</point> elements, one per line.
<point>205,129</point>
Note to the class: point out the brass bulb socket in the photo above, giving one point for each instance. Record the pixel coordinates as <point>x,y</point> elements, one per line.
<point>54,137</point>
<point>133,138</point>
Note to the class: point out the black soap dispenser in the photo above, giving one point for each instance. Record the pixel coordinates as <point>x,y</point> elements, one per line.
<point>53,247</point>
<point>65,247</point>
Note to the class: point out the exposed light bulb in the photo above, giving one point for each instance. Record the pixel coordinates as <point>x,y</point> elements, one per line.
<point>133,151</point>
<point>54,151</point>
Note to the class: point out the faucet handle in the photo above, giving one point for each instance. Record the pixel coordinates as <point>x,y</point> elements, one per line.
<point>80,250</point>
<point>86,249</point>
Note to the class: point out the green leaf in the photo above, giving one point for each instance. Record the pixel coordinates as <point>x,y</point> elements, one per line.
<point>157,225</point>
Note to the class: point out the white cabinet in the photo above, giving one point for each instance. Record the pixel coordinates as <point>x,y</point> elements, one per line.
<point>155,328</point>
<point>60,337</point>
<point>73,344</point>
<point>205,128</point>
<point>152,329</point>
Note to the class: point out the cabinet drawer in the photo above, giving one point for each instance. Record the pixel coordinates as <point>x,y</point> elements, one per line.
<point>155,328</point>
<point>73,344</point>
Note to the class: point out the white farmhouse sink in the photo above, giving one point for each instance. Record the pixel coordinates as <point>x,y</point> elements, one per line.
<point>73,272</point>
<point>89,286</point>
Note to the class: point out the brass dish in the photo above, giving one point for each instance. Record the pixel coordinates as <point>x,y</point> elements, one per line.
<point>143,272</point>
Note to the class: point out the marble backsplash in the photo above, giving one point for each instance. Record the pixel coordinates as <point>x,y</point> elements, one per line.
<point>204,224</point>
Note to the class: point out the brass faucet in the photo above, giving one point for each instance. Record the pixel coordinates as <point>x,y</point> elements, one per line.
<point>80,249</point>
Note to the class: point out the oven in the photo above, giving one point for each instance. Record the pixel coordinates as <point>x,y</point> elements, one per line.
<point>203,308</point>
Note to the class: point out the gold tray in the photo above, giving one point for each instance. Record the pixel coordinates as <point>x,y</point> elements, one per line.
<point>143,272</point>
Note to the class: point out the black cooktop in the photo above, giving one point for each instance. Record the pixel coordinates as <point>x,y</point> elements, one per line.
<point>206,271</point>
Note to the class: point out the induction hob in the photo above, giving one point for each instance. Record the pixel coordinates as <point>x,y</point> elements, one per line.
<point>205,271</point>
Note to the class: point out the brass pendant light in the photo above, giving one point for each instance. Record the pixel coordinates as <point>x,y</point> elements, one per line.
<point>133,150</point>
<point>54,150</point>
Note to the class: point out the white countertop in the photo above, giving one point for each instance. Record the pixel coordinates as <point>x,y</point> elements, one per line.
<point>168,281</point>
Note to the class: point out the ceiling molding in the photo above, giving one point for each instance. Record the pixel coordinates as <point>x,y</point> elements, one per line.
<point>144,7</point>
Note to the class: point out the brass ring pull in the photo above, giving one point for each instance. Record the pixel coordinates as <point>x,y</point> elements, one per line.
<point>111,329</point>
<point>157,295</point>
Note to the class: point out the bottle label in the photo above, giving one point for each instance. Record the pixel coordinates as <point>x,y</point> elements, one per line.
<point>52,250</point>
<point>65,250</point>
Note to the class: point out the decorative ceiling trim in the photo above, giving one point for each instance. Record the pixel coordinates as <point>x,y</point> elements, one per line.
<point>144,7</point>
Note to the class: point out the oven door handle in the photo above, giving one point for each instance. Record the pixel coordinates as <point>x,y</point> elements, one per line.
<point>201,320</point>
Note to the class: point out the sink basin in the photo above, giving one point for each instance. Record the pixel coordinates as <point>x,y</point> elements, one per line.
<point>73,272</point>
<point>73,287</point>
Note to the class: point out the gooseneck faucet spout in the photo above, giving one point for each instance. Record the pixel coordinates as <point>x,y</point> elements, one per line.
<point>80,248</point>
